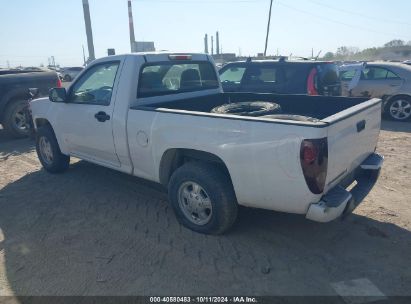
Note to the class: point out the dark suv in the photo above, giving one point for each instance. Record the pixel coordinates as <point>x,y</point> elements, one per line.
<point>282,77</point>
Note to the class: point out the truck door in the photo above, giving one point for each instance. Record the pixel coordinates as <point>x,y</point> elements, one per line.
<point>85,121</point>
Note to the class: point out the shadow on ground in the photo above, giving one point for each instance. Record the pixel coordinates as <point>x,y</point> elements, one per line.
<point>10,146</point>
<point>94,231</point>
<point>395,126</point>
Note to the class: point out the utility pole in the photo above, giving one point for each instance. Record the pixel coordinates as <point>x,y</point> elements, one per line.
<point>217,46</point>
<point>268,28</point>
<point>131,26</point>
<point>89,32</point>
<point>8,64</point>
<point>84,56</point>
<point>212,45</point>
<point>206,44</point>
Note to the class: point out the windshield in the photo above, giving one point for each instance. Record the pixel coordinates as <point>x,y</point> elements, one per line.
<point>176,77</point>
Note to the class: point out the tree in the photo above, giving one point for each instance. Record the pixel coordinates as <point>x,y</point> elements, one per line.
<point>328,56</point>
<point>395,43</point>
<point>343,52</point>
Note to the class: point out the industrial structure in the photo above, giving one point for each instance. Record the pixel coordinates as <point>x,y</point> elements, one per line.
<point>143,46</point>
<point>217,44</point>
<point>131,26</point>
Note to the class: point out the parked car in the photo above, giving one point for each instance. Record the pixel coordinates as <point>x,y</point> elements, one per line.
<point>14,94</point>
<point>164,117</point>
<point>282,77</point>
<point>70,73</point>
<point>387,80</point>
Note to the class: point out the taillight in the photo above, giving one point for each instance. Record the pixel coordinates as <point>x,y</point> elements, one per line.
<point>179,57</point>
<point>59,84</point>
<point>314,162</point>
<point>311,87</point>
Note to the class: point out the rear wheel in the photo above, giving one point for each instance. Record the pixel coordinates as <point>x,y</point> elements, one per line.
<point>48,151</point>
<point>15,119</point>
<point>399,109</point>
<point>203,198</point>
<point>67,78</point>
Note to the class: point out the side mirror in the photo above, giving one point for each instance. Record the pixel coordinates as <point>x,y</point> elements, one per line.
<point>58,95</point>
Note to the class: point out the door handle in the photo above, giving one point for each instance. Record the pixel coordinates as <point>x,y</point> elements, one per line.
<point>394,85</point>
<point>360,125</point>
<point>102,116</point>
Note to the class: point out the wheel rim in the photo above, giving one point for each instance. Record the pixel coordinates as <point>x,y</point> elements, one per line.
<point>19,119</point>
<point>195,203</point>
<point>400,109</point>
<point>45,150</point>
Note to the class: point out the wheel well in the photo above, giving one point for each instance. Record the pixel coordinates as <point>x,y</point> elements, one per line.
<point>399,96</point>
<point>174,158</point>
<point>41,122</point>
<point>390,98</point>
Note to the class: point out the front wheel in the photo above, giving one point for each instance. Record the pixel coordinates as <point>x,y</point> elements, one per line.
<point>399,109</point>
<point>48,151</point>
<point>203,198</point>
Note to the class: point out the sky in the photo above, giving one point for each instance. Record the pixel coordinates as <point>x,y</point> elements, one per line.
<point>33,30</point>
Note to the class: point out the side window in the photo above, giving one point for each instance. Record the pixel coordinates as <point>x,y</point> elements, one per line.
<point>392,75</point>
<point>374,73</point>
<point>262,75</point>
<point>347,75</point>
<point>96,85</point>
<point>268,75</point>
<point>233,74</point>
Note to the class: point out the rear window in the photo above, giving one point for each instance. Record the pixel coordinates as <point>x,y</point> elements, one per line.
<point>176,77</point>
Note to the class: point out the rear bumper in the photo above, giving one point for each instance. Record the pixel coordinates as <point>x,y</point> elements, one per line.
<point>339,201</point>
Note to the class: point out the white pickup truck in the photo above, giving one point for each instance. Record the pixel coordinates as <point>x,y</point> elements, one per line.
<point>164,117</point>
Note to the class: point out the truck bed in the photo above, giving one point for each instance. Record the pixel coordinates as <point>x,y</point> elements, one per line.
<point>319,107</point>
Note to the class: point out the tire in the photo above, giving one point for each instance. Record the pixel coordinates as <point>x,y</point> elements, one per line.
<point>215,186</point>
<point>254,108</point>
<point>14,119</point>
<point>399,109</point>
<point>48,151</point>
<point>67,78</point>
<point>292,117</point>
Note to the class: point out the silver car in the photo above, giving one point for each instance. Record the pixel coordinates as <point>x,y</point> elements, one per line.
<point>387,80</point>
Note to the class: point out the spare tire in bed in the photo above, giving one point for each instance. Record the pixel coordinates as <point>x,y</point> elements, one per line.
<point>253,108</point>
<point>292,117</point>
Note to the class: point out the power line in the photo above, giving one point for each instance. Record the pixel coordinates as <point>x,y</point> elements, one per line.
<point>336,21</point>
<point>358,14</point>
<point>200,2</point>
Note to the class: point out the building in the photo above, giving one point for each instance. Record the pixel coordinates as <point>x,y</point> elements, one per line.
<point>143,46</point>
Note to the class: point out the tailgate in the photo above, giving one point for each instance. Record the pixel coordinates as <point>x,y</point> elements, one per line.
<point>352,136</point>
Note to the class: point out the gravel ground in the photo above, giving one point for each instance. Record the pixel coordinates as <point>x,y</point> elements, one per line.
<point>94,231</point>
